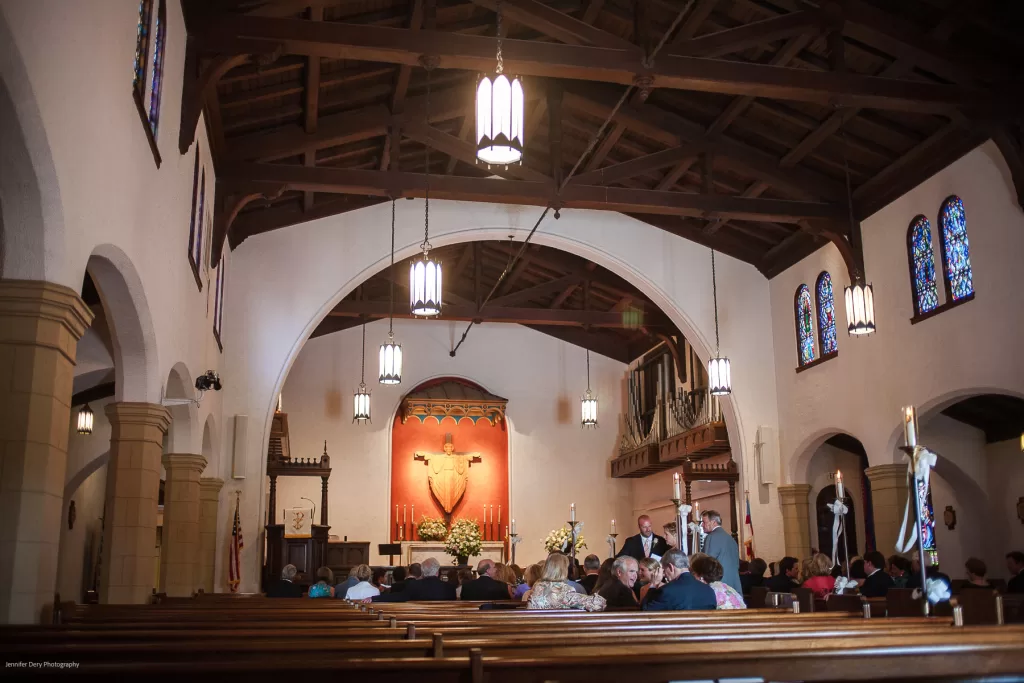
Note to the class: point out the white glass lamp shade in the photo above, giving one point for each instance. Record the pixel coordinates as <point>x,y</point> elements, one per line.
<point>425,286</point>
<point>85,416</point>
<point>390,362</point>
<point>361,405</point>
<point>499,120</point>
<point>860,309</point>
<point>589,408</point>
<point>719,377</point>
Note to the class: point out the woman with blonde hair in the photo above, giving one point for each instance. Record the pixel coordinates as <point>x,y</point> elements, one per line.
<point>819,576</point>
<point>364,589</point>
<point>504,573</point>
<point>650,577</point>
<point>553,591</point>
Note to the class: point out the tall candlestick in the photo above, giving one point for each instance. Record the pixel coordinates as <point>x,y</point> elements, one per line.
<point>675,487</point>
<point>840,489</point>
<point>572,512</point>
<point>613,526</point>
<point>910,425</point>
<point>513,526</point>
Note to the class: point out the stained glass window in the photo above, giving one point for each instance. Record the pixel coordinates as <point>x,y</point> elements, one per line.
<point>199,219</point>
<point>142,47</point>
<point>922,276</point>
<point>194,245</point>
<point>158,68</point>
<point>956,254</point>
<point>924,499</point>
<point>826,315</point>
<point>804,325</point>
<point>218,300</point>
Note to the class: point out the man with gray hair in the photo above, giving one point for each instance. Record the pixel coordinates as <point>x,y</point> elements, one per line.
<point>430,587</point>
<point>720,545</point>
<point>683,591</point>
<point>285,587</point>
<point>619,593</point>
<point>591,569</point>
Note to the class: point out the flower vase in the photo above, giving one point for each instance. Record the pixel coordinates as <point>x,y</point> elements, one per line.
<point>462,560</point>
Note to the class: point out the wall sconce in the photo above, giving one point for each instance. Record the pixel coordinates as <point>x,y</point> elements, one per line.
<point>949,517</point>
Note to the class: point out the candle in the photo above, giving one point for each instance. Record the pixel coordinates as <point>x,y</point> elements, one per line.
<point>279,403</point>
<point>484,520</point>
<point>696,512</point>
<point>492,513</point>
<point>396,513</point>
<point>513,526</point>
<point>910,425</point>
<point>403,514</point>
<point>613,526</point>
<point>572,512</point>
<point>675,487</point>
<point>499,514</point>
<point>840,491</point>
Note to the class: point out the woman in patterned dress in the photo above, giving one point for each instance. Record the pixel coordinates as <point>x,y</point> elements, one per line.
<point>709,571</point>
<point>552,590</point>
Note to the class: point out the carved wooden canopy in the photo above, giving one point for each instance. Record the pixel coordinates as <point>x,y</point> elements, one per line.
<point>454,398</point>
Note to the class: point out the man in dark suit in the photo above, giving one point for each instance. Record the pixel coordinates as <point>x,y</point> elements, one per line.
<point>644,544</point>
<point>683,591</point>
<point>398,579</point>
<point>592,567</point>
<point>1015,565</point>
<point>619,593</point>
<point>285,587</point>
<point>430,587</point>
<point>485,586</point>
<point>788,577</point>
<point>720,545</point>
<point>879,582</point>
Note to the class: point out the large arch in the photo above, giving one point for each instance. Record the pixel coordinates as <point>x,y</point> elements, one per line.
<point>211,444</point>
<point>184,415</point>
<point>136,367</point>
<point>339,253</point>
<point>31,211</point>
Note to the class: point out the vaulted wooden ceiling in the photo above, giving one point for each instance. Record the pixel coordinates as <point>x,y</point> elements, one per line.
<point>548,290</point>
<point>736,135</point>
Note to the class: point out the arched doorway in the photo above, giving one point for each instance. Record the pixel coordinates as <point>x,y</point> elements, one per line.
<point>825,521</point>
<point>839,452</point>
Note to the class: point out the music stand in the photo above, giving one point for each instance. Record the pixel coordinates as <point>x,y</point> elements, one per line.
<point>390,549</point>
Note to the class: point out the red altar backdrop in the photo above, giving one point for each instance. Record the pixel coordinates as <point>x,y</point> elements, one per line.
<point>487,482</point>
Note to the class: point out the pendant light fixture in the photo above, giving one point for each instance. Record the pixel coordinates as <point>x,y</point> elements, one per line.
<point>425,272</point>
<point>499,114</point>
<point>719,369</point>
<point>390,352</point>
<point>588,403</point>
<point>85,416</point>
<point>361,401</point>
<point>860,296</point>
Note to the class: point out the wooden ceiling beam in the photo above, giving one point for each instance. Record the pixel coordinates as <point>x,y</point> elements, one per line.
<point>520,315</point>
<point>233,34</point>
<point>616,173</point>
<point>751,35</point>
<point>403,184</point>
<point>405,71</point>
<point>602,344</point>
<point>554,24</point>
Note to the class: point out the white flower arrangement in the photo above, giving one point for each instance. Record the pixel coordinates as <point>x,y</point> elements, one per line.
<point>558,540</point>
<point>464,539</point>
<point>432,529</point>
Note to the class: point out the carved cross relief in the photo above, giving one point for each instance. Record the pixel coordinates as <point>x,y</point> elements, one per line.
<point>447,474</point>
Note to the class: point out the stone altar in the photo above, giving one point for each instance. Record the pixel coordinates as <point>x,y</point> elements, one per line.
<point>417,551</point>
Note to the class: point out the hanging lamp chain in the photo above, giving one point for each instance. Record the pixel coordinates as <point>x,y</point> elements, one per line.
<point>391,274</point>
<point>501,61</point>
<point>846,172</point>
<point>362,367</point>
<point>714,294</point>
<point>426,204</point>
<point>588,370</point>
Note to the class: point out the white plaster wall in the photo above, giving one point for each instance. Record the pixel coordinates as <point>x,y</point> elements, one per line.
<point>283,282</point>
<point>971,349</point>
<point>553,462</point>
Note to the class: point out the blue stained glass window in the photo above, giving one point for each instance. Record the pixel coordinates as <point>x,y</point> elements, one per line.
<point>142,46</point>
<point>956,253</point>
<point>158,69</point>
<point>926,296</point>
<point>826,315</point>
<point>924,499</point>
<point>804,325</point>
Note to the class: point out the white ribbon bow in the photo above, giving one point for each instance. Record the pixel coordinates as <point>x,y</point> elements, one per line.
<point>842,583</point>
<point>919,467</point>
<point>838,509</point>
<point>938,591</point>
<point>684,540</point>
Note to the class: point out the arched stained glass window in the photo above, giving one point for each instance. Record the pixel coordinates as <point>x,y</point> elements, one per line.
<point>826,315</point>
<point>956,254</point>
<point>922,265</point>
<point>156,87</point>
<point>142,47</point>
<point>804,325</point>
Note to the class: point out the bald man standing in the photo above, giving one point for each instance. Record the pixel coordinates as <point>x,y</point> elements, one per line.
<point>644,544</point>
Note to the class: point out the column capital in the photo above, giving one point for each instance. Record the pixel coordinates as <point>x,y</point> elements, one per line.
<point>142,414</point>
<point>210,486</point>
<point>887,476</point>
<point>184,461</point>
<point>38,302</point>
<point>794,493</point>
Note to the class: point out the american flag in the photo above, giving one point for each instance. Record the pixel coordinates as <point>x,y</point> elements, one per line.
<point>748,531</point>
<point>234,561</point>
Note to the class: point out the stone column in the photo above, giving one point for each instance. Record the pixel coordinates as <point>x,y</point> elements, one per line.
<point>796,519</point>
<point>179,554</point>
<point>209,503</point>
<point>133,488</point>
<point>888,498</point>
<point>40,325</point>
